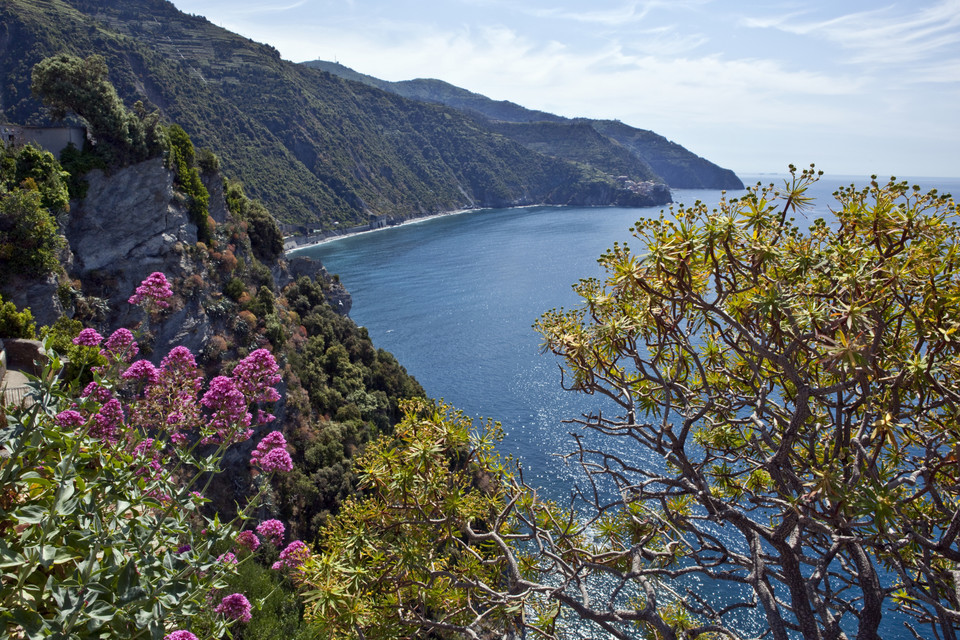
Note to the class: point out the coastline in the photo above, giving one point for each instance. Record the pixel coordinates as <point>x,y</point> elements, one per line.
<point>416,220</point>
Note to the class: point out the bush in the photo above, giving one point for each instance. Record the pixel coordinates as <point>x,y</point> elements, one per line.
<point>29,238</point>
<point>101,529</point>
<point>234,289</point>
<point>181,158</point>
<point>16,324</point>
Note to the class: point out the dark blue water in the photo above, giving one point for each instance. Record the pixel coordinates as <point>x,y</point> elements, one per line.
<point>454,299</point>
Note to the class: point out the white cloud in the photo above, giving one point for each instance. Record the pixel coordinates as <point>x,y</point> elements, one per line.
<point>885,36</point>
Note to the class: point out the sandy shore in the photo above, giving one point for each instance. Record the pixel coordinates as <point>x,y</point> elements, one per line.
<point>351,234</point>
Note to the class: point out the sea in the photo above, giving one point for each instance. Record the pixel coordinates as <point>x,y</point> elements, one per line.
<point>454,297</point>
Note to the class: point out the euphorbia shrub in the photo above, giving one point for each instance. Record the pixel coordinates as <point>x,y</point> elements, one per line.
<point>101,529</point>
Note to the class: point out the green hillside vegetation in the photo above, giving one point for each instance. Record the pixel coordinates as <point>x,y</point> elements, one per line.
<point>311,146</point>
<point>349,390</point>
<point>665,160</point>
<point>440,92</point>
<point>578,142</point>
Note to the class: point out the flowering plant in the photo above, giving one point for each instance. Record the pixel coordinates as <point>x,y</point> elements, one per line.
<point>101,532</point>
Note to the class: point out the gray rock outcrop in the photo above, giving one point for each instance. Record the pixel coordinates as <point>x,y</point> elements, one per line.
<point>130,224</point>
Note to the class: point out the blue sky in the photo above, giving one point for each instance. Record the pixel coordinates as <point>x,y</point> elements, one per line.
<point>857,87</point>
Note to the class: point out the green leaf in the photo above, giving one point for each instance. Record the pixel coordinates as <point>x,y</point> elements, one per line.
<point>128,578</point>
<point>31,514</point>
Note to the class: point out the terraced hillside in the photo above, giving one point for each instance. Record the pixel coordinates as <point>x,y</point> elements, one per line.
<point>314,147</point>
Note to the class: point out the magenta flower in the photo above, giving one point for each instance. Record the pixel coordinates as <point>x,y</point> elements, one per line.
<point>293,556</point>
<point>255,376</point>
<point>88,338</point>
<point>276,460</point>
<point>154,289</point>
<point>99,393</point>
<point>170,398</point>
<point>180,358</point>
<point>235,606</point>
<point>228,558</point>
<point>271,454</point>
<point>69,419</point>
<point>120,346</point>
<point>142,370</point>
<point>248,539</point>
<point>272,530</point>
<point>230,419</point>
<point>180,634</point>
<point>107,421</point>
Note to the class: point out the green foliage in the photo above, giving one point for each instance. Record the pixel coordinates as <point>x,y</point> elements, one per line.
<point>16,324</point>
<point>208,162</point>
<point>279,609</point>
<point>181,159</point>
<point>66,84</point>
<point>353,389</point>
<point>399,555</point>
<point>800,389</point>
<point>33,168</point>
<point>266,239</point>
<point>29,237</point>
<point>235,288</point>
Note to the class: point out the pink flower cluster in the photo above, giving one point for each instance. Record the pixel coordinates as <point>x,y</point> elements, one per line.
<point>228,558</point>
<point>97,391</point>
<point>272,530</point>
<point>69,419</point>
<point>293,556</point>
<point>154,289</point>
<point>271,454</point>
<point>256,376</point>
<point>169,401</point>
<point>248,540</point>
<point>88,338</point>
<point>120,346</point>
<point>229,417</point>
<point>235,606</point>
<point>180,635</point>
<point>142,370</point>
<point>108,421</point>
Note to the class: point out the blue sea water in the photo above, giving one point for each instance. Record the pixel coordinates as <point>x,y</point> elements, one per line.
<point>454,299</point>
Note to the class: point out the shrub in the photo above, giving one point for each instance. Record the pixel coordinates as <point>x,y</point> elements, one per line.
<point>234,289</point>
<point>29,238</point>
<point>101,528</point>
<point>16,324</point>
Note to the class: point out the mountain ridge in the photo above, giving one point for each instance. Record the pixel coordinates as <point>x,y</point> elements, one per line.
<point>667,160</point>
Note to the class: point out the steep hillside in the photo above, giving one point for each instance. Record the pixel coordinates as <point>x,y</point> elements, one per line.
<point>578,141</point>
<point>310,145</point>
<point>673,163</point>
<point>440,92</point>
<point>677,166</point>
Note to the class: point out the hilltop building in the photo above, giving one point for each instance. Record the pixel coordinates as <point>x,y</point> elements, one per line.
<point>52,139</point>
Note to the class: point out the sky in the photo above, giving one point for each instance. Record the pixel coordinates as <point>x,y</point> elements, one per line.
<point>857,87</point>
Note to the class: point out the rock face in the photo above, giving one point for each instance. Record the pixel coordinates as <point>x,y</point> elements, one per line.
<point>40,295</point>
<point>130,224</point>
